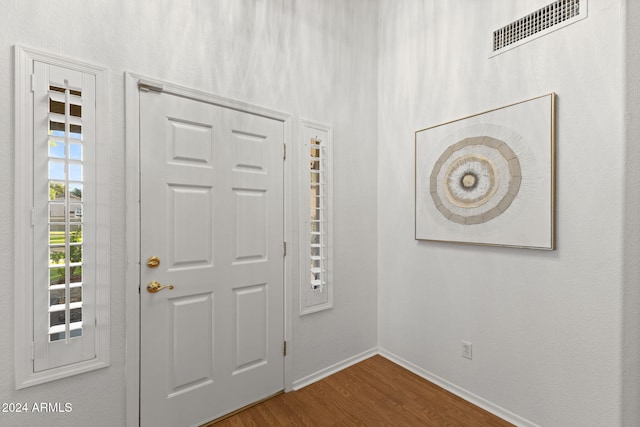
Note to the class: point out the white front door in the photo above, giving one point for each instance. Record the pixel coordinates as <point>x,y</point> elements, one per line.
<point>211,207</point>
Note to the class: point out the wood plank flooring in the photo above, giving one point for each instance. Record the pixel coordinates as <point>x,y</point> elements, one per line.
<point>372,393</point>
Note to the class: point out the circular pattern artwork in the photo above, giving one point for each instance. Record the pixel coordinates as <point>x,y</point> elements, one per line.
<point>475,180</point>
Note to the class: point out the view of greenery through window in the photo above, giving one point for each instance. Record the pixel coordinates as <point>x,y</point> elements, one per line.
<point>65,213</point>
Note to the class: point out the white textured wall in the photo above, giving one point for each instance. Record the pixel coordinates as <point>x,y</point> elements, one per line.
<point>547,327</point>
<point>631,296</point>
<point>313,59</point>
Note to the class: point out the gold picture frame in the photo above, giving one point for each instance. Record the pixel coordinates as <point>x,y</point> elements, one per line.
<point>489,178</point>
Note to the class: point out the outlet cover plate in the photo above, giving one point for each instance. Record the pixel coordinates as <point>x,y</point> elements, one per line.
<point>467,350</point>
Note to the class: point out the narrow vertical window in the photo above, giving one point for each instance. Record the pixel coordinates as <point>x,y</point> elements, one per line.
<point>62,226</point>
<point>316,288</point>
<point>318,216</point>
<point>65,213</point>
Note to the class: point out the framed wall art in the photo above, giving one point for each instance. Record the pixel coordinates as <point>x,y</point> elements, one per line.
<point>488,179</point>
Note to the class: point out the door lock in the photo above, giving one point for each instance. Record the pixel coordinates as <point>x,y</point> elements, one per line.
<point>154,287</point>
<point>153,262</point>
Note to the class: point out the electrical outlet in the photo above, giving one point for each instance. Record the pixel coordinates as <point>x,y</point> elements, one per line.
<point>467,350</point>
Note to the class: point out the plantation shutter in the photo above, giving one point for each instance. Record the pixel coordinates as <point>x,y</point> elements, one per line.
<point>64,216</point>
<point>316,290</point>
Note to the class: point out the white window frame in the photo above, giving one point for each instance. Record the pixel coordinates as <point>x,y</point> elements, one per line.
<point>315,300</point>
<point>27,349</point>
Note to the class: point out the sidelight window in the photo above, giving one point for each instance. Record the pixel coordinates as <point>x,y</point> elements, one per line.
<point>318,215</point>
<point>316,289</point>
<point>65,213</point>
<point>61,279</point>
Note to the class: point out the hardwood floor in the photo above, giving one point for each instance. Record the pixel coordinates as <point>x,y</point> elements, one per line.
<point>375,392</point>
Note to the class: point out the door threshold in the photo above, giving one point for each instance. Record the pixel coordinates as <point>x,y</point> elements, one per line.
<point>231,414</point>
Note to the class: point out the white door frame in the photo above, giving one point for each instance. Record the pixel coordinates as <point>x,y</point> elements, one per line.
<point>132,226</point>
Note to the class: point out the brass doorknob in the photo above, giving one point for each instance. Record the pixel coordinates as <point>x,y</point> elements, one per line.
<point>154,287</point>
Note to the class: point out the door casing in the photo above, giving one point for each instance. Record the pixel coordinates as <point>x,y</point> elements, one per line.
<point>133,84</point>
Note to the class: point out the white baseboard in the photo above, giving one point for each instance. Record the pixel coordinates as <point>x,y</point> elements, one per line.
<point>323,373</point>
<point>458,391</point>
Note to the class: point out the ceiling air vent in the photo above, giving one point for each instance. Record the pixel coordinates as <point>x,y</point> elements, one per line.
<point>543,21</point>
